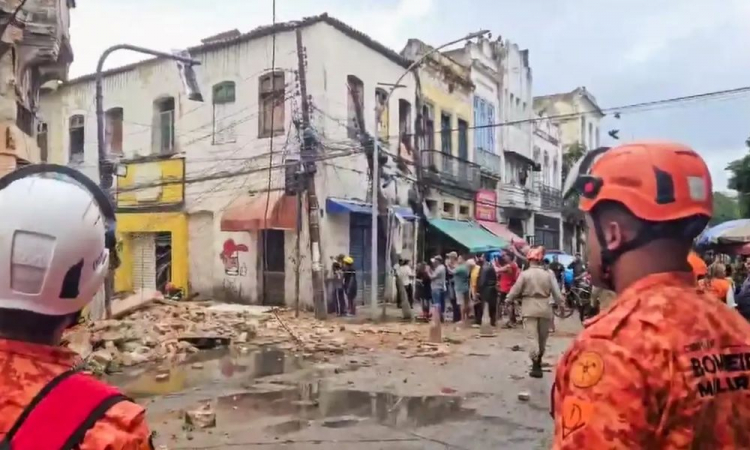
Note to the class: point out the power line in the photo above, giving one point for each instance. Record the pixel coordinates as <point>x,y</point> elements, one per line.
<point>630,108</point>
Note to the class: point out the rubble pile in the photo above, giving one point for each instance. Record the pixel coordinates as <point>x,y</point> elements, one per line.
<point>163,331</point>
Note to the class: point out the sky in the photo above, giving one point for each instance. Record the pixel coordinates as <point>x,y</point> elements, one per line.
<point>622,51</point>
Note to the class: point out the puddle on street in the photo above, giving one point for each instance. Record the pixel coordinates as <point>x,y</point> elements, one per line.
<point>206,368</point>
<point>339,408</point>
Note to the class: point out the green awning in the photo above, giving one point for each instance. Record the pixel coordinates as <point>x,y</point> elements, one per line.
<point>469,234</point>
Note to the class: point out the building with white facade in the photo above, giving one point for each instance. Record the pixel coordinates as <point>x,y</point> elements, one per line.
<point>508,142</point>
<point>578,116</point>
<point>548,228</point>
<point>206,196</point>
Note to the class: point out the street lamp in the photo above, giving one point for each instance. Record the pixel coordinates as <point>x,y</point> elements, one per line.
<point>105,166</point>
<point>376,168</point>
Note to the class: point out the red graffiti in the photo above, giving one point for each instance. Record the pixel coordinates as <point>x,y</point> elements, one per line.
<point>230,256</point>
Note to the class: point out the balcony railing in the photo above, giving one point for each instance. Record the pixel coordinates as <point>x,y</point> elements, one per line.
<point>489,162</point>
<point>551,198</point>
<point>516,196</point>
<point>447,170</point>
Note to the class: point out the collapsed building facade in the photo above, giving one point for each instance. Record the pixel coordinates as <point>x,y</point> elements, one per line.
<point>34,49</point>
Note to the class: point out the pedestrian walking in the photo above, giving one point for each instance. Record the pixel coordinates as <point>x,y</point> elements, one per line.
<point>664,367</point>
<point>437,283</point>
<point>337,281</point>
<point>350,284</point>
<point>423,288</point>
<point>534,288</point>
<point>405,276</point>
<point>450,288</point>
<point>461,275</point>
<point>487,287</point>
<point>508,273</point>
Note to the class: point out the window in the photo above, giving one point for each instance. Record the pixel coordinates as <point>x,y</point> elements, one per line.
<point>590,144</point>
<point>113,131</point>
<point>223,104</point>
<point>582,139</point>
<point>524,107</point>
<point>271,92</point>
<point>449,209</point>
<point>487,183</point>
<point>41,141</point>
<point>484,114</point>
<point>463,139</point>
<point>428,135</point>
<point>445,134</point>
<point>76,138</point>
<point>547,174</point>
<point>510,105</point>
<point>596,137</point>
<point>463,210</point>
<point>554,173</point>
<point>25,119</point>
<point>355,105</point>
<point>164,109</point>
<point>380,100</point>
<point>404,125</point>
<point>431,206</point>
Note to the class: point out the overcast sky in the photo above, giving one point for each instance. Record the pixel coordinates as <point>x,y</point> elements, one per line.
<point>623,51</point>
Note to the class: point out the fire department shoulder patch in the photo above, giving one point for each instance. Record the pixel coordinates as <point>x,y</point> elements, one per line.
<point>586,370</point>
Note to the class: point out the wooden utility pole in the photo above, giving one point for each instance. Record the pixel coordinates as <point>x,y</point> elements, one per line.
<point>309,166</point>
<point>298,252</point>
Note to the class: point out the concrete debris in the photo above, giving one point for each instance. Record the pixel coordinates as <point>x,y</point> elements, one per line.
<point>162,331</point>
<point>127,305</point>
<point>524,396</point>
<point>201,418</point>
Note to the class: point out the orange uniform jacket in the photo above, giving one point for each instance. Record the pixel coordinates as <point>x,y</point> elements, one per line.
<point>27,368</point>
<point>665,367</point>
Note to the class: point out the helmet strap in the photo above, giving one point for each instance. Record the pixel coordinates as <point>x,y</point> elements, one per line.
<point>610,257</point>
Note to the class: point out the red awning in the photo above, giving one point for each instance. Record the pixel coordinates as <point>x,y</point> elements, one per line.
<point>500,230</point>
<point>246,212</point>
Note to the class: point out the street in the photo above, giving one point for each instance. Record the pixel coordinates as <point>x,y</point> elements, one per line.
<point>465,395</point>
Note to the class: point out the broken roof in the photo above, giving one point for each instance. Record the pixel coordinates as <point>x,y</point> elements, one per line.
<point>262,31</point>
<point>569,97</point>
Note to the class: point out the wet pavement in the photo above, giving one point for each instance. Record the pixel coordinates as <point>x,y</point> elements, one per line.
<point>273,398</point>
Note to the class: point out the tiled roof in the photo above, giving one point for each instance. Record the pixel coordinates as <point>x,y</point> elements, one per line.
<point>263,31</point>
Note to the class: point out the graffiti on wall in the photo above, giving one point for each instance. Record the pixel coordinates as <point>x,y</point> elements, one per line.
<point>230,257</point>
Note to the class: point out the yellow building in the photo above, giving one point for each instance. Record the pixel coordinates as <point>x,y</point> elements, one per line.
<point>152,225</point>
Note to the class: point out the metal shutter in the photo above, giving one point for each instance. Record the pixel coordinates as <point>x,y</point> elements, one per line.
<point>144,261</point>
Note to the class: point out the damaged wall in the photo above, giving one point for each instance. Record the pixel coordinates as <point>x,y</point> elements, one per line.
<point>34,49</point>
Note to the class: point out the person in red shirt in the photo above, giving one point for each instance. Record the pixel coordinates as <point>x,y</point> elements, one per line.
<point>507,275</point>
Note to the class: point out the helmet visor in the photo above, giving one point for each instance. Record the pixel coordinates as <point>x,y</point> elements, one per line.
<point>580,170</point>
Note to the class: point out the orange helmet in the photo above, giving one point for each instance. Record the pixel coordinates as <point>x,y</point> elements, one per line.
<point>535,254</point>
<point>656,181</point>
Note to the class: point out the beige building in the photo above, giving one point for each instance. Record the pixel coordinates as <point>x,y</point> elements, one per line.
<point>34,49</point>
<point>578,118</point>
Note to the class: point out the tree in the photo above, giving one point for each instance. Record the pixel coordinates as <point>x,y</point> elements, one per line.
<point>739,180</point>
<point>571,154</point>
<point>725,208</point>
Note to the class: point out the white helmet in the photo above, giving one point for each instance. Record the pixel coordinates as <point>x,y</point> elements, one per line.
<point>53,257</point>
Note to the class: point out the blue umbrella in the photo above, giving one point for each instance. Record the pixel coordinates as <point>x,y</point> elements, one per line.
<point>730,232</point>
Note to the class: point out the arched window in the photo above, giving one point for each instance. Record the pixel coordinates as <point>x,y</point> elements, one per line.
<point>224,120</point>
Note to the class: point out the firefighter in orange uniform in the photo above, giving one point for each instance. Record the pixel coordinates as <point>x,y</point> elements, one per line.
<point>665,367</point>
<point>54,255</point>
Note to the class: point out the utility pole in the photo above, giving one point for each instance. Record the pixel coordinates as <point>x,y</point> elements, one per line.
<point>308,163</point>
<point>297,249</point>
<point>374,224</point>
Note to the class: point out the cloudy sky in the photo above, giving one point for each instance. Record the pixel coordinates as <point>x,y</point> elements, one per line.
<point>623,51</point>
